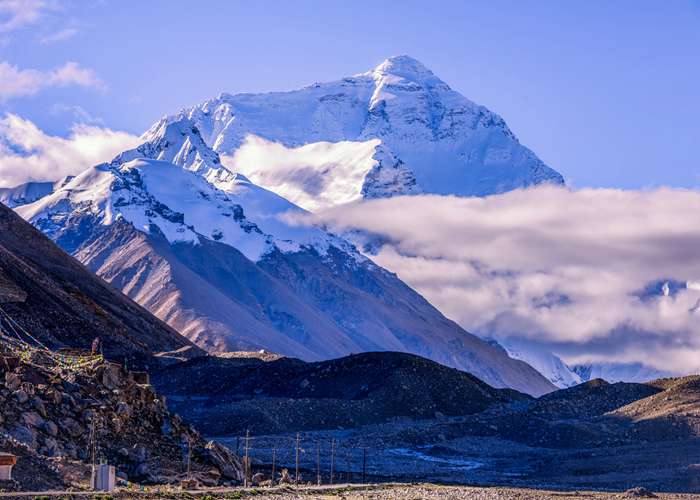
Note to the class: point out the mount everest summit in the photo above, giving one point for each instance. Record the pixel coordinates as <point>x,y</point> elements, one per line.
<point>192,223</point>
<point>397,129</point>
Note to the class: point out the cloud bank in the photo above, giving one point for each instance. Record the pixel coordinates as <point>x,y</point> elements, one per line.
<point>16,82</point>
<point>580,272</point>
<point>28,154</point>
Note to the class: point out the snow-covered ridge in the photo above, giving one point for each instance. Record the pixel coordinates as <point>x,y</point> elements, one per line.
<point>443,142</point>
<point>548,364</point>
<point>29,192</point>
<point>156,195</point>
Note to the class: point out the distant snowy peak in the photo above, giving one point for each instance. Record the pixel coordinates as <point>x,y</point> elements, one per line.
<point>545,362</point>
<point>620,372</point>
<point>445,143</point>
<point>29,192</point>
<point>158,196</point>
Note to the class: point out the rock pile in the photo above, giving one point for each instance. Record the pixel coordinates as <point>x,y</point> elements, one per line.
<point>95,412</point>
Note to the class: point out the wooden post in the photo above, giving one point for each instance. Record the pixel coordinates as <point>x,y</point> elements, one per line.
<point>189,458</point>
<point>296,479</point>
<point>364,465</point>
<point>274,458</point>
<point>332,458</point>
<point>246,465</point>
<point>318,463</point>
<point>347,463</point>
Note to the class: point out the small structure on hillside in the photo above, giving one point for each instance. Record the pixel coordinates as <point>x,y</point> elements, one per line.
<point>103,477</point>
<point>7,461</point>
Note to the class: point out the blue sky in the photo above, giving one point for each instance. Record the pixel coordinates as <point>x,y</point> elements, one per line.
<point>605,92</point>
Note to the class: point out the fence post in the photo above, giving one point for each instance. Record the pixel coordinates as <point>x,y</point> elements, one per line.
<point>332,458</point>
<point>296,479</point>
<point>274,457</point>
<point>364,465</point>
<point>246,465</point>
<point>318,463</point>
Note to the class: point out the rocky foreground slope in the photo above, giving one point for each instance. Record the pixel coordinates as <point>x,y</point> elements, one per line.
<point>50,294</point>
<point>62,414</point>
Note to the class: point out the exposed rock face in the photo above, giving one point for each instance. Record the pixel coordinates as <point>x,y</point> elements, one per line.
<point>75,305</point>
<point>69,411</point>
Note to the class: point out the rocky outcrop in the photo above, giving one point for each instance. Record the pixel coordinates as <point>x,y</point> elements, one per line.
<point>74,411</point>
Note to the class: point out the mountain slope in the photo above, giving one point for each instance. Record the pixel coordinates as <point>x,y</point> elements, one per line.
<point>397,129</point>
<point>75,305</point>
<point>224,267</point>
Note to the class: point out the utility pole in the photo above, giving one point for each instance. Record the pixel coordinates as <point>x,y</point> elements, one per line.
<point>93,452</point>
<point>318,463</point>
<point>189,458</point>
<point>364,465</point>
<point>274,457</point>
<point>332,458</point>
<point>297,460</point>
<point>347,463</point>
<point>246,463</point>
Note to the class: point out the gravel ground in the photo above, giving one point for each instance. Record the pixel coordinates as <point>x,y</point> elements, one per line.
<point>354,492</point>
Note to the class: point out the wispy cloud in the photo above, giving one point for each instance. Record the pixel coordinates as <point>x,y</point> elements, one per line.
<point>16,82</point>
<point>16,14</point>
<point>79,114</point>
<point>27,153</point>
<point>561,267</point>
<point>58,36</point>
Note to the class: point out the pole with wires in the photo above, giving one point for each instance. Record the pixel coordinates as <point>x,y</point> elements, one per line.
<point>274,458</point>
<point>296,478</point>
<point>246,463</point>
<point>332,458</point>
<point>318,463</point>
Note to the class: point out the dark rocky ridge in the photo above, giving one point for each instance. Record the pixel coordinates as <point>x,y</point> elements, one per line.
<point>235,394</point>
<point>63,304</point>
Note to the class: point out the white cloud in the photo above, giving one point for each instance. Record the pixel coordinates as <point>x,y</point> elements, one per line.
<point>300,174</point>
<point>561,267</point>
<point>58,36</point>
<point>15,14</point>
<point>27,153</point>
<point>16,82</point>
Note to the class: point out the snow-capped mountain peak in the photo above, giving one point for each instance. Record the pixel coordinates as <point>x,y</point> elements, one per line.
<point>304,144</point>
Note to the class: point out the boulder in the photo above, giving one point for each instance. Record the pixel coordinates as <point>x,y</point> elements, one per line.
<point>69,425</point>
<point>12,381</point>
<point>32,418</point>
<point>21,396</point>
